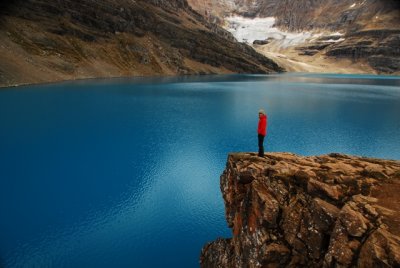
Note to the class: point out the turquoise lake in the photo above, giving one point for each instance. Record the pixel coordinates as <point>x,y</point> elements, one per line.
<point>125,172</point>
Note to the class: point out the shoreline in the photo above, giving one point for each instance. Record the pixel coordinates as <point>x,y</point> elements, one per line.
<point>294,73</point>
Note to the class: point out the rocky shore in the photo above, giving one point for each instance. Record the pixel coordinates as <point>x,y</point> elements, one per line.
<point>287,210</point>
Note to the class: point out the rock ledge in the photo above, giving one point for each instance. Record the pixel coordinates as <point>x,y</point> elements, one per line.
<point>287,210</point>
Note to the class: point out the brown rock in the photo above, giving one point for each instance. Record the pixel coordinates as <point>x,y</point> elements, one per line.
<point>339,250</point>
<point>269,205</point>
<point>315,187</point>
<point>291,218</point>
<point>382,249</point>
<point>275,254</point>
<point>302,177</point>
<point>290,211</point>
<point>217,254</point>
<point>353,221</point>
<point>324,214</point>
<point>246,176</point>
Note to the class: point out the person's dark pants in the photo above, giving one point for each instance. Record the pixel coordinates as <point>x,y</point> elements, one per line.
<point>260,145</point>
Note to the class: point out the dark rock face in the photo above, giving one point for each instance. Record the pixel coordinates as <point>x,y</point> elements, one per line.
<point>380,47</point>
<point>298,15</point>
<point>324,211</point>
<point>116,38</point>
<point>260,42</point>
<point>370,27</point>
<point>384,64</point>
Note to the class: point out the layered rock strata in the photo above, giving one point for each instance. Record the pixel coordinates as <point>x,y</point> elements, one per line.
<point>308,15</point>
<point>322,211</point>
<point>369,39</point>
<point>44,41</point>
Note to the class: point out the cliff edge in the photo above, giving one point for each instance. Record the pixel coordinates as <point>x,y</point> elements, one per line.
<point>287,210</point>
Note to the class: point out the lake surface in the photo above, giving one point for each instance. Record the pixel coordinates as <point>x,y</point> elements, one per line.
<point>125,172</point>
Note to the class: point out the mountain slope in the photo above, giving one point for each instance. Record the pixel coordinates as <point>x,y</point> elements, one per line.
<point>43,41</point>
<point>370,31</point>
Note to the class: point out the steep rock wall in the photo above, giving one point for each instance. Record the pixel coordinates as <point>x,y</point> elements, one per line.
<point>298,15</point>
<point>324,211</point>
<point>370,28</point>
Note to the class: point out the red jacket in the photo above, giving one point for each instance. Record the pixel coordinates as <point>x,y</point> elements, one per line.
<point>262,125</point>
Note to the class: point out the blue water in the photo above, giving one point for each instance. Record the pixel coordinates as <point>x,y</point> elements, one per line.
<point>125,172</point>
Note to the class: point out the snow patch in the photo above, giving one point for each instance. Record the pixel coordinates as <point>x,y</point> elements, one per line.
<point>248,30</point>
<point>333,40</point>
<point>337,34</point>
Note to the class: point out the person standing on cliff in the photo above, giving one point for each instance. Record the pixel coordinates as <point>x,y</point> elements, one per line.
<point>262,131</point>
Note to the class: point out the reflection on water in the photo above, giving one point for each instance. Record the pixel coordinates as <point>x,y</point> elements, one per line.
<point>125,172</point>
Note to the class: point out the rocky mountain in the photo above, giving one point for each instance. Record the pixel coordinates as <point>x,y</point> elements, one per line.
<point>370,28</point>
<point>311,14</point>
<point>43,41</point>
<point>287,210</point>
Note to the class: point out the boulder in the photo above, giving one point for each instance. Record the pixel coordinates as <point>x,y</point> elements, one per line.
<point>260,42</point>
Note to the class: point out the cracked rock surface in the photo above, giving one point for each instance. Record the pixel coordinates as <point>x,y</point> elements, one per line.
<point>287,210</point>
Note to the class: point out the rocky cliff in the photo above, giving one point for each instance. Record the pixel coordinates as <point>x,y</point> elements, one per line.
<point>324,211</point>
<point>43,40</point>
<point>299,15</point>
<point>369,28</point>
